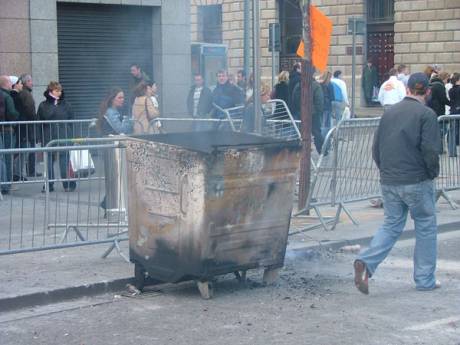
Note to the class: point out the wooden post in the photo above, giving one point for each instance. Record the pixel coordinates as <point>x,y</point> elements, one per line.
<point>306,108</point>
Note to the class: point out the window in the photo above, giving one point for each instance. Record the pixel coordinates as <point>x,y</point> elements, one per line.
<point>380,11</point>
<point>291,26</point>
<point>210,23</point>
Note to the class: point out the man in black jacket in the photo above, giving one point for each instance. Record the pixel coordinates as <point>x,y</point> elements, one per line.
<point>317,110</point>
<point>6,131</point>
<point>199,102</point>
<point>406,150</point>
<point>29,113</point>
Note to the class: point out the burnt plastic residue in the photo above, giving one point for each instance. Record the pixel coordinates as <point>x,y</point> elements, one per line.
<point>209,141</point>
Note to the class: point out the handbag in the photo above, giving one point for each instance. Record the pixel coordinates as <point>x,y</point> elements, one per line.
<point>81,164</point>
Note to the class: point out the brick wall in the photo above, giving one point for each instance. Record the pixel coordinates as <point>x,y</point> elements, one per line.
<point>428,32</point>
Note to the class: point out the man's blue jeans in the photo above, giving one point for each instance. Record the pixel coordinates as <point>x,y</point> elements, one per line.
<point>419,200</point>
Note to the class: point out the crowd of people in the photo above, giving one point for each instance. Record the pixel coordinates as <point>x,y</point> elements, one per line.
<point>330,103</point>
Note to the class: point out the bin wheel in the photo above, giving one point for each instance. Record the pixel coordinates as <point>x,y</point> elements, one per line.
<point>241,276</point>
<point>206,289</point>
<point>139,276</point>
<point>270,275</point>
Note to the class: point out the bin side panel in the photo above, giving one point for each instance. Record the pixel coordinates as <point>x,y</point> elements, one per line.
<point>166,206</point>
<point>249,201</point>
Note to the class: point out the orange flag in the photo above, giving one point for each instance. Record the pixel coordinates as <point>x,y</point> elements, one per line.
<point>321,31</point>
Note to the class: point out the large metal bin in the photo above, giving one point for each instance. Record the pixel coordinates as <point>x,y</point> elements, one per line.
<point>209,203</point>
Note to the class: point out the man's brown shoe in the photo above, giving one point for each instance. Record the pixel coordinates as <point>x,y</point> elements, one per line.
<point>361,277</point>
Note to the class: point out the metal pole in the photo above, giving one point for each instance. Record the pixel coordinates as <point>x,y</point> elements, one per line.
<point>256,64</point>
<point>353,70</point>
<point>273,56</point>
<point>247,24</point>
<point>306,109</point>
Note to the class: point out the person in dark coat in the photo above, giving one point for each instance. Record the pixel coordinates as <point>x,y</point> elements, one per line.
<point>56,108</point>
<point>438,99</point>
<point>369,80</point>
<point>20,131</point>
<point>317,110</point>
<point>454,95</point>
<point>281,89</point>
<point>137,76</point>
<point>225,94</point>
<point>294,79</point>
<point>199,102</point>
<point>29,113</point>
<point>7,132</point>
<point>328,97</point>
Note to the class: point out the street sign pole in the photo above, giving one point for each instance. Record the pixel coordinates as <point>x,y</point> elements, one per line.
<point>353,70</point>
<point>256,65</point>
<point>273,53</point>
<point>306,108</point>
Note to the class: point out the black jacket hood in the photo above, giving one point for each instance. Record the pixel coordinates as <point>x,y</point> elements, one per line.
<point>51,99</point>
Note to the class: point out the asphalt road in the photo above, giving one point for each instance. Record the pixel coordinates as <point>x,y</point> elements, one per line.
<point>313,302</point>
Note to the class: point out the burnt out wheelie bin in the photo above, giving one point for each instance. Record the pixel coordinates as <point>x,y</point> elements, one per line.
<point>203,204</point>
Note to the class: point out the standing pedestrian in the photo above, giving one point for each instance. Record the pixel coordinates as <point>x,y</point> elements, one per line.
<point>294,79</point>
<point>241,79</point>
<point>328,96</point>
<point>317,110</point>
<point>137,76</point>
<point>226,95</point>
<point>55,107</point>
<point>391,91</point>
<point>403,74</point>
<point>369,80</point>
<point>144,110</point>
<point>406,152</point>
<point>29,114</point>
<point>281,89</point>
<point>7,131</point>
<point>199,102</point>
<point>20,131</point>
<point>340,96</point>
<point>454,130</point>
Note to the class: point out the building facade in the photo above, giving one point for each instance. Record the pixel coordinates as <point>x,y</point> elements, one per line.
<point>412,32</point>
<point>89,45</point>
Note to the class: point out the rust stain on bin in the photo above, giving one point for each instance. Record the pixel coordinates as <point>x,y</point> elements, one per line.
<point>196,213</point>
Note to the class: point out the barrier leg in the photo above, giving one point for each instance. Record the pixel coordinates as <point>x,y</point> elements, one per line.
<point>452,203</point>
<point>75,229</point>
<point>115,245</point>
<point>348,213</point>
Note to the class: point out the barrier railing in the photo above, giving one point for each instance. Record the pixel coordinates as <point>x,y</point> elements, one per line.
<point>89,208</point>
<point>346,172</point>
<point>449,175</point>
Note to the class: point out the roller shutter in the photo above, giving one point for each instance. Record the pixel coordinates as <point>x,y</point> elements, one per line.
<point>96,45</point>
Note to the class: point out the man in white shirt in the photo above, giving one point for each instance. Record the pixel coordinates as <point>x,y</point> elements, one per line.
<point>199,102</point>
<point>340,98</point>
<point>392,91</point>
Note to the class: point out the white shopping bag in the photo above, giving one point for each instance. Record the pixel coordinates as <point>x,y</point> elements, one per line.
<point>346,114</point>
<point>81,163</point>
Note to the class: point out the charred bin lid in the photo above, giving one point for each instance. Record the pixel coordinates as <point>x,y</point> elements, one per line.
<point>211,141</point>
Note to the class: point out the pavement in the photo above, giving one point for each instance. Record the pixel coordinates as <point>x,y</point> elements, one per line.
<point>40,278</point>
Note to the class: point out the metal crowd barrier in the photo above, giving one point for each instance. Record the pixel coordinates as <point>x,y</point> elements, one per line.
<point>62,207</point>
<point>449,175</point>
<point>346,172</point>
<point>31,134</point>
<point>277,120</point>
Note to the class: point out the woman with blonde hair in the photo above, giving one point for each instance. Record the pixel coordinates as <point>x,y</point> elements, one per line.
<point>144,110</point>
<point>281,89</point>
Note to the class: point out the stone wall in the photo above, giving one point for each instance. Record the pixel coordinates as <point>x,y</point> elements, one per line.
<point>15,47</point>
<point>428,32</point>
